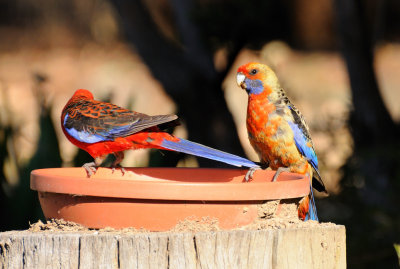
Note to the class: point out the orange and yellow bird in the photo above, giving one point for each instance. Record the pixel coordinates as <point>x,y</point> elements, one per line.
<point>278,132</point>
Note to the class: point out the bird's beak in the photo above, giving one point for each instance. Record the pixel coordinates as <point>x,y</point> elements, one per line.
<point>240,77</point>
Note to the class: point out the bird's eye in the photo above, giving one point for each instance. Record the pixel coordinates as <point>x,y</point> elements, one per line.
<point>253,71</point>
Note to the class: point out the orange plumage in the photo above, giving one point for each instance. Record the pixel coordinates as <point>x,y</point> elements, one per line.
<point>277,131</point>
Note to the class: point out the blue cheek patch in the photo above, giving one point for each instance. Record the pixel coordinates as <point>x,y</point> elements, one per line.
<point>254,86</point>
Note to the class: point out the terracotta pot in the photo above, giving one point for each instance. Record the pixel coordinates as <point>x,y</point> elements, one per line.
<point>157,199</point>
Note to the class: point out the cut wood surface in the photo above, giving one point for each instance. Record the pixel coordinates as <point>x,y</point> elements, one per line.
<point>319,247</point>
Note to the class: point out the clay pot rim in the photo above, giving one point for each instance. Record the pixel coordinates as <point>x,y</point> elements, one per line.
<point>189,184</point>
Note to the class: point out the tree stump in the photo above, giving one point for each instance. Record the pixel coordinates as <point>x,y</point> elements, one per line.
<point>322,246</point>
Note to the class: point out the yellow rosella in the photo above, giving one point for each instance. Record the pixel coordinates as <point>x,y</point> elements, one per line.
<point>278,132</point>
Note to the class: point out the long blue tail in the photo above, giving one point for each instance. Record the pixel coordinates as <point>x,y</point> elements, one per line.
<point>312,209</point>
<point>196,149</point>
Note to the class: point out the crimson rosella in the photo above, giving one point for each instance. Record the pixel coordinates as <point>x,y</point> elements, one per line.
<point>102,128</point>
<point>278,132</point>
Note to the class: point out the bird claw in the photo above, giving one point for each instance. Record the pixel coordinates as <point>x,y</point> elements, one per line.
<point>123,171</point>
<point>250,173</point>
<point>279,171</point>
<point>90,168</point>
<point>119,156</point>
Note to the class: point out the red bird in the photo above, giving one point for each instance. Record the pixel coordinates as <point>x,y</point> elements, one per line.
<point>102,128</point>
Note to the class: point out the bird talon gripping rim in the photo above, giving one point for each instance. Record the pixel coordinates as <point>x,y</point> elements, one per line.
<point>249,175</point>
<point>102,128</point>
<point>90,168</point>
<point>277,130</point>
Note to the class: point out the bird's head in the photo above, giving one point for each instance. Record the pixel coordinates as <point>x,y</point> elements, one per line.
<point>82,93</point>
<point>256,78</point>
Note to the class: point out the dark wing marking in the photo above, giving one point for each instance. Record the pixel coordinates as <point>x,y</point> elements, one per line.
<point>107,120</point>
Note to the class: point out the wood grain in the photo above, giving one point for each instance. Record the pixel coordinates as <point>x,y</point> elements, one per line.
<point>319,247</point>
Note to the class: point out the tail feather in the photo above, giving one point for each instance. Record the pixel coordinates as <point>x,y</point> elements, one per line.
<point>196,149</point>
<point>312,211</point>
<point>307,208</point>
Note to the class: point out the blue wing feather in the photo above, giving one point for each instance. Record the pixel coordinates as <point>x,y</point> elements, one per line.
<point>100,134</point>
<point>302,137</point>
<point>304,145</point>
<point>92,130</point>
<point>301,142</point>
<point>117,131</point>
<point>82,135</point>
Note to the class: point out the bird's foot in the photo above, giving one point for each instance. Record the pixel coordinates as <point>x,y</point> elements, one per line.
<point>250,173</point>
<point>119,156</point>
<point>123,171</point>
<point>279,171</point>
<point>90,168</point>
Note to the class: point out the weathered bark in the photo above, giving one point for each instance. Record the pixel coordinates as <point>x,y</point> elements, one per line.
<point>322,247</point>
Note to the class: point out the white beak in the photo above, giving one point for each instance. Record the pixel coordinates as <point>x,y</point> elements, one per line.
<point>240,79</point>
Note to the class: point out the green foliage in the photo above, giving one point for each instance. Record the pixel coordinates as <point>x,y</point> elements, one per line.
<point>397,248</point>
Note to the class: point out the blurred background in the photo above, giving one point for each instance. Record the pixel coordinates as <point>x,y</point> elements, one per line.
<point>339,61</point>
